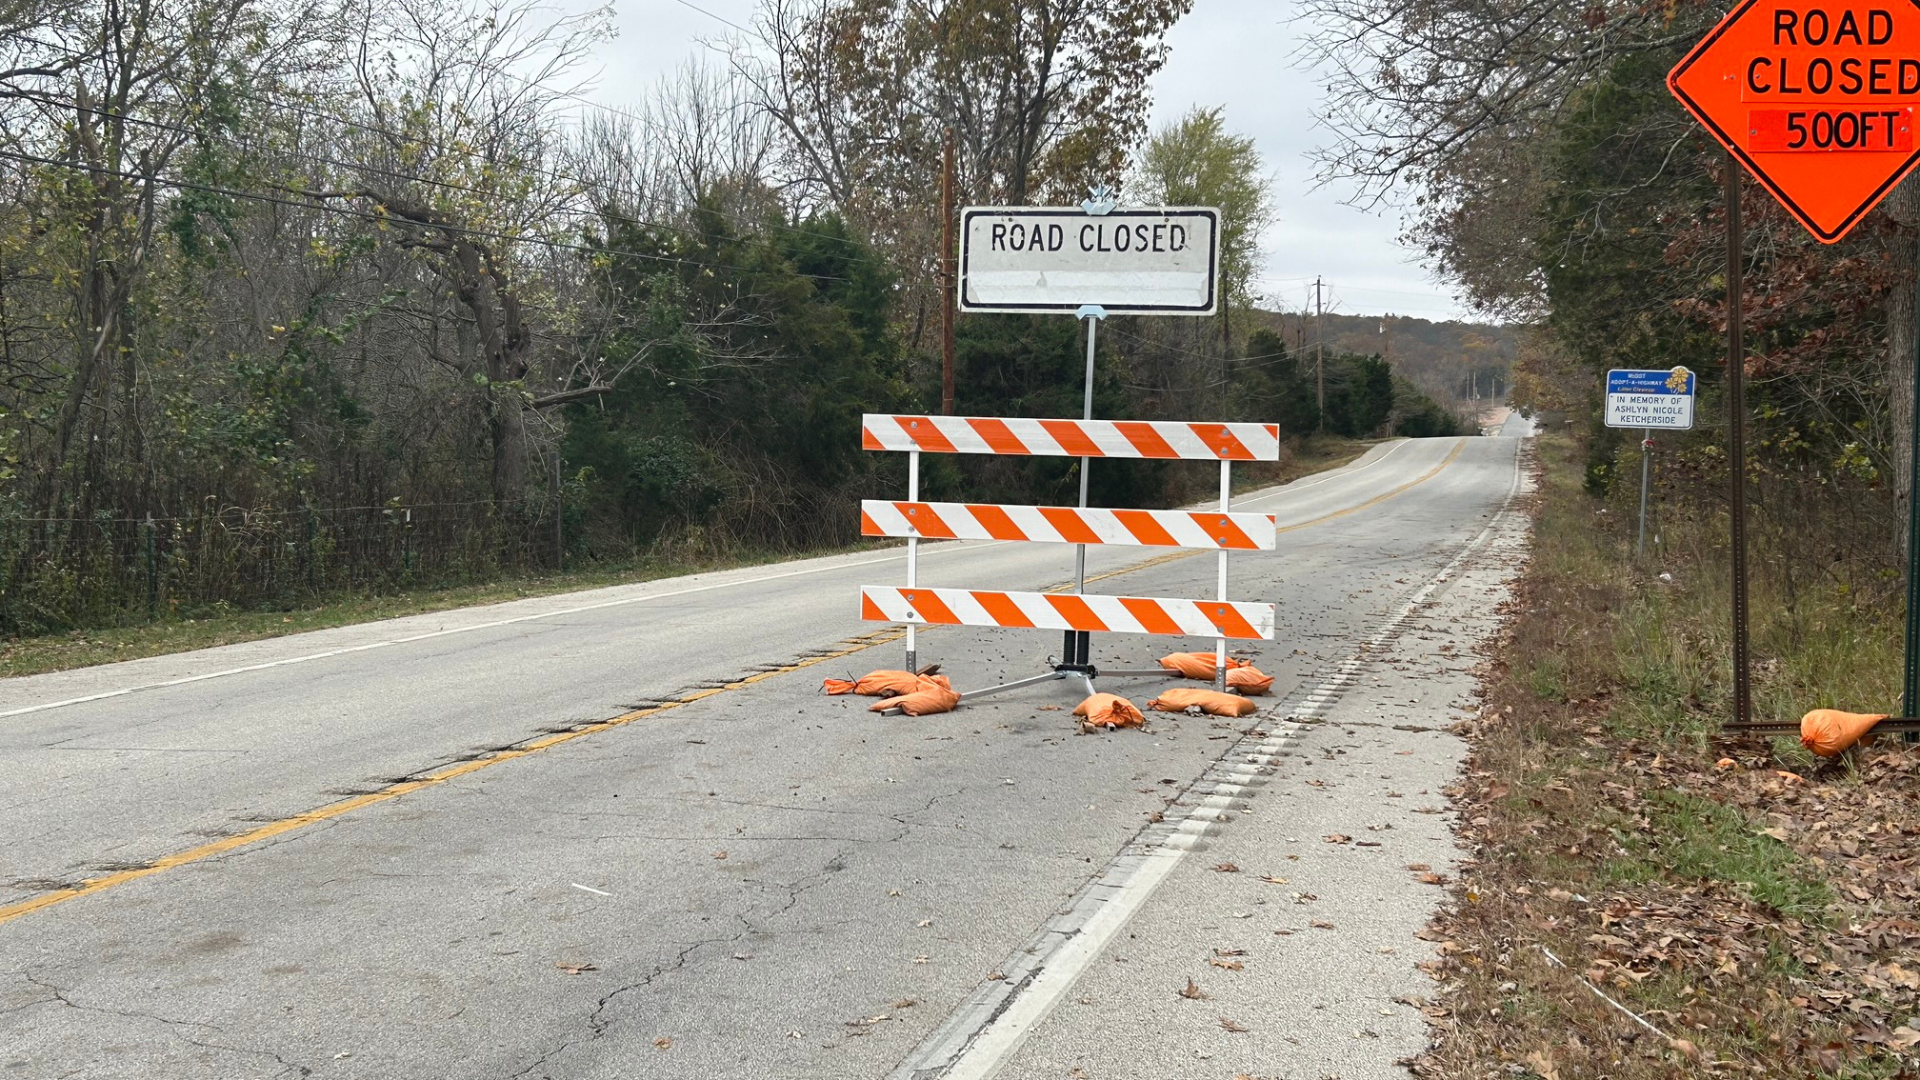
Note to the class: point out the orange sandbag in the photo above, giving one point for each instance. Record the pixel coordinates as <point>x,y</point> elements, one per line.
<point>1110,710</point>
<point>877,684</point>
<point>1197,665</point>
<point>1828,732</point>
<point>934,695</point>
<point>1181,698</point>
<point>1249,680</point>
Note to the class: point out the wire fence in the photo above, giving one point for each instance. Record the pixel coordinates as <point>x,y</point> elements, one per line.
<point>58,574</point>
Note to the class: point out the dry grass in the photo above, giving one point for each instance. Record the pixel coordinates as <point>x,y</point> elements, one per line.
<point>1757,920</point>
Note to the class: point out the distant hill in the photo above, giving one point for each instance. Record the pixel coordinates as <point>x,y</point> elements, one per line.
<point>1448,360</point>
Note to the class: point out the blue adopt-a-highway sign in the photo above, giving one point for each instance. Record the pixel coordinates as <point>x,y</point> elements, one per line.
<point>1660,400</point>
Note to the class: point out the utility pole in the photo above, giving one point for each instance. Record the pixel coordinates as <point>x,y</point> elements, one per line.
<point>947,270</point>
<point>1320,355</point>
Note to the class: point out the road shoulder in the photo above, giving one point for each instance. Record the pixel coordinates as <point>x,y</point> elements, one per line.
<point>1287,945</point>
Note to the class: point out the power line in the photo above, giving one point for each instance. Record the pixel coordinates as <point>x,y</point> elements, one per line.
<point>711,15</point>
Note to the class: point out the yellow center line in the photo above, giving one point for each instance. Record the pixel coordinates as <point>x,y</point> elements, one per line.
<point>393,791</point>
<point>1384,496</point>
<point>10,912</point>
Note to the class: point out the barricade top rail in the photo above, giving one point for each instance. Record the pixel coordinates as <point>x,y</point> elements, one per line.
<point>1162,439</point>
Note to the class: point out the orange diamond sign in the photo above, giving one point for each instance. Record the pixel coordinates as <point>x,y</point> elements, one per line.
<point>1816,99</point>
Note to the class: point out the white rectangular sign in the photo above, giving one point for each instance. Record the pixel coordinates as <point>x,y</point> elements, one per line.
<point>1155,261</point>
<point>1659,400</point>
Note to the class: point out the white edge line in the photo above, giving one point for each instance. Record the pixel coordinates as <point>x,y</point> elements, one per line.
<point>993,1044</point>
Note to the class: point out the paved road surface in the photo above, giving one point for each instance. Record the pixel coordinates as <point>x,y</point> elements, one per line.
<point>736,886</point>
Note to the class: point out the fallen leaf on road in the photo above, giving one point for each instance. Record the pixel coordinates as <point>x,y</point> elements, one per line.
<point>1226,868</point>
<point>924,923</point>
<point>1417,867</point>
<point>575,969</point>
<point>996,977</point>
<point>1337,838</point>
<point>1193,991</point>
<point>1432,879</point>
<point>719,854</point>
<point>663,1043</point>
<point>1230,965</point>
<point>1229,952</point>
<point>1232,1025</point>
<point>921,959</point>
<point>1271,880</point>
<point>1318,925</point>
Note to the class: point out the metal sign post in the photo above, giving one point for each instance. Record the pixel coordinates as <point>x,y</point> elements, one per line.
<point>1737,445</point>
<point>1646,476</point>
<point>1077,651</point>
<point>1910,685</point>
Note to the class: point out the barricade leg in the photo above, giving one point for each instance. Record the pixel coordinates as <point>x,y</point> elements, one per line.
<point>913,558</point>
<point>1220,644</point>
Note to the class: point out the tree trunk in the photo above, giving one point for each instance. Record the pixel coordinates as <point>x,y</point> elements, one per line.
<point>507,425</point>
<point>1903,325</point>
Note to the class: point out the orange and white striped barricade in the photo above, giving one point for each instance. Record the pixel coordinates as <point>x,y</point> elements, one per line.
<point>1078,614</point>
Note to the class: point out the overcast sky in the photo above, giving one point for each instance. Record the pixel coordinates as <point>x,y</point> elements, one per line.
<point>1234,53</point>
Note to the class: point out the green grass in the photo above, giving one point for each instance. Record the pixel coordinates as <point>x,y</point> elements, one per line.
<point>1698,839</point>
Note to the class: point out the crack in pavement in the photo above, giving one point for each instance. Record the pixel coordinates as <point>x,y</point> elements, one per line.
<point>60,996</point>
<point>598,1025</point>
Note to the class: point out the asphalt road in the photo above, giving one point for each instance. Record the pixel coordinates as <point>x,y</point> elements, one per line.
<point>415,849</point>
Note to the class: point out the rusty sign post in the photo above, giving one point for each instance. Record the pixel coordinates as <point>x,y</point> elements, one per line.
<point>1817,102</point>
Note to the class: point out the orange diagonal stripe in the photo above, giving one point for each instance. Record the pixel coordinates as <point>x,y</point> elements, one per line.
<point>1228,619</point>
<point>999,437</point>
<point>1003,610</point>
<point>1151,615</point>
<point>1145,439</point>
<point>998,523</point>
<point>870,611</point>
<point>1222,528</point>
<point>1223,442</point>
<point>1072,438</point>
<point>925,435</point>
<point>930,607</point>
<point>922,517</point>
<point>1078,614</point>
<point>1071,526</point>
<point>870,527</point>
<point>1145,528</point>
